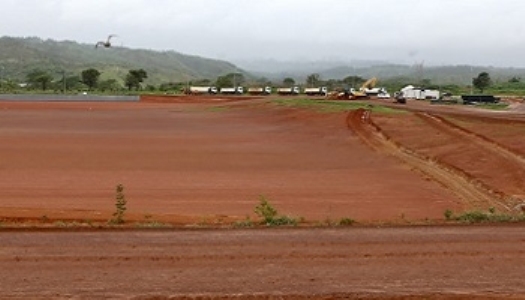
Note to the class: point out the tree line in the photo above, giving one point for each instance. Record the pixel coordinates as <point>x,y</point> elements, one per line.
<point>89,79</point>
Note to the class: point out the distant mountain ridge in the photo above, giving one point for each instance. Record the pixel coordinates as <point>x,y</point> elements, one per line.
<point>451,74</point>
<point>461,74</point>
<point>19,56</point>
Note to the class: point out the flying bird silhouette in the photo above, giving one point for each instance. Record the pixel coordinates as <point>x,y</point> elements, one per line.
<point>107,43</point>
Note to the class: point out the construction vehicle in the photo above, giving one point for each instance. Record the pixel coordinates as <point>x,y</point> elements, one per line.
<point>316,91</point>
<point>367,88</point>
<point>196,90</point>
<point>368,91</point>
<point>288,91</point>
<point>260,90</point>
<point>337,95</point>
<point>232,90</point>
<point>399,97</point>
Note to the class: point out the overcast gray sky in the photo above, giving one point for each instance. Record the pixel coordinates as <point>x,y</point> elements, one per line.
<point>479,32</point>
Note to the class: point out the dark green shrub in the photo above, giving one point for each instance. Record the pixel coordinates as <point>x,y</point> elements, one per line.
<point>120,204</point>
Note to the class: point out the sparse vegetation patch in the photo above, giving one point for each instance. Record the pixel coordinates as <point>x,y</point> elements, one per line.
<point>333,106</point>
<point>269,214</point>
<point>120,205</point>
<point>477,216</point>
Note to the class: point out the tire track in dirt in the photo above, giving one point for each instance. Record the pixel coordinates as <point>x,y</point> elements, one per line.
<point>489,145</point>
<point>378,262</point>
<point>473,192</point>
<point>480,140</point>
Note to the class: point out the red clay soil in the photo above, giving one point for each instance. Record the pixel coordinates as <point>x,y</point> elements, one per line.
<point>200,163</point>
<point>474,194</point>
<point>350,263</point>
<point>192,161</point>
<point>485,150</point>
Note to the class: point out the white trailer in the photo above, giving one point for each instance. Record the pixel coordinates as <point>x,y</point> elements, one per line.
<point>316,91</point>
<point>202,90</point>
<point>232,90</point>
<point>260,90</point>
<point>411,92</point>
<point>288,91</point>
<point>431,94</point>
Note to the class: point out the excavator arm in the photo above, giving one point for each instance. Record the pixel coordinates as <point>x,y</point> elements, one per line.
<point>369,84</point>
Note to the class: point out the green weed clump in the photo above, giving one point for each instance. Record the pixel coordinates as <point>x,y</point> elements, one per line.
<point>448,214</point>
<point>120,205</point>
<point>246,223</point>
<point>477,216</point>
<point>269,214</point>
<point>149,222</point>
<point>346,222</point>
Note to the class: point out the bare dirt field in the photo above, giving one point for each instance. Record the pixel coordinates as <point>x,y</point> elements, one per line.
<point>205,161</point>
<point>454,262</point>
<point>200,162</point>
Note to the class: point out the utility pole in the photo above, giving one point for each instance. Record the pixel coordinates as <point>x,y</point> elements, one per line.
<point>64,82</point>
<point>2,77</point>
<point>472,81</point>
<point>353,79</point>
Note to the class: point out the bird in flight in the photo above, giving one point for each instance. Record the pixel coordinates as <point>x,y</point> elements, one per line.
<point>107,43</point>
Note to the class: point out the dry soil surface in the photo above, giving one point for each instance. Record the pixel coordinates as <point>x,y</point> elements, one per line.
<point>205,161</point>
<point>351,263</point>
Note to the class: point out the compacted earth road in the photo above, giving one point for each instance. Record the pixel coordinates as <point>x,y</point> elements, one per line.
<point>443,262</point>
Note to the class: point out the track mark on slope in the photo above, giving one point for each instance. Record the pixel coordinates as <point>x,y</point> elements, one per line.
<point>470,190</point>
<point>483,142</point>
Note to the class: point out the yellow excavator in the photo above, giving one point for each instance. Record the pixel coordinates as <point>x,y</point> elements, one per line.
<point>362,93</point>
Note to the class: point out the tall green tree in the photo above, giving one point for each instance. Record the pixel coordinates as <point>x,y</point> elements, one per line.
<point>353,80</point>
<point>72,83</point>
<point>288,81</point>
<point>40,78</point>
<point>482,82</point>
<point>90,77</point>
<point>230,80</point>
<point>134,78</point>
<point>9,85</point>
<point>109,85</point>
<point>313,80</point>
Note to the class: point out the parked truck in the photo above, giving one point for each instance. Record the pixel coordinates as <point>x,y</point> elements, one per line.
<point>260,90</point>
<point>232,90</point>
<point>288,91</point>
<point>196,90</point>
<point>316,91</point>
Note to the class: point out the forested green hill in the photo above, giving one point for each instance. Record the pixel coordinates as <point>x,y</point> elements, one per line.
<point>20,56</point>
